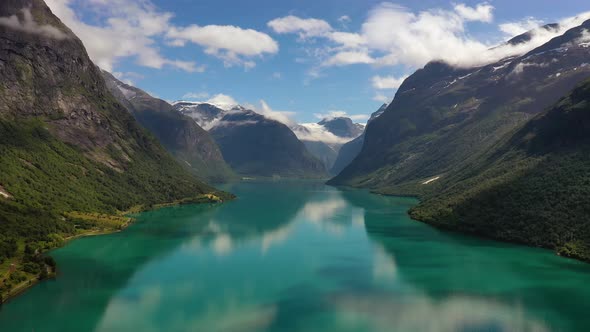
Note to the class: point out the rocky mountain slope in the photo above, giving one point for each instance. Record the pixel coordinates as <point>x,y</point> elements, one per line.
<point>253,144</point>
<point>72,157</point>
<point>442,117</point>
<point>350,150</point>
<point>179,134</point>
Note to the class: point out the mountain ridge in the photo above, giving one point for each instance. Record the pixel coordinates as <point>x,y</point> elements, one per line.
<point>253,144</point>
<point>442,116</point>
<point>179,134</point>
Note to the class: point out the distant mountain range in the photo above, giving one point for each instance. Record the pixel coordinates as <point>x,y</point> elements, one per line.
<point>460,138</point>
<point>179,134</point>
<point>325,138</point>
<point>252,144</point>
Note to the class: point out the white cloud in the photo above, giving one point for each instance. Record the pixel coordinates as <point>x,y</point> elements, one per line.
<point>277,75</point>
<point>222,101</point>
<point>230,43</point>
<point>349,58</point>
<point>347,39</point>
<point>513,29</point>
<point>414,39</point>
<point>129,30</point>
<point>285,117</point>
<point>482,12</point>
<point>196,95</point>
<point>387,82</point>
<point>29,25</point>
<point>137,29</point>
<point>317,133</point>
<point>309,27</point>
<point>394,35</point>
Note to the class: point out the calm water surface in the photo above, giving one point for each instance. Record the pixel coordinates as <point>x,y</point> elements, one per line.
<point>300,256</point>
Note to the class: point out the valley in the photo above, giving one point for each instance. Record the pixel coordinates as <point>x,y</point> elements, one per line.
<point>420,169</point>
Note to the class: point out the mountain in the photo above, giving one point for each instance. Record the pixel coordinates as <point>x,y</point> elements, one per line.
<point>443,117</point>
<point>72,157</point>
<point>480,149</point>
<point>350,150</point>
<point>325,138</point>
<point>253,144</point>
<point>531,188</point>
<point>179,134</point>
<point>342,127</point>
<point>205,114</point>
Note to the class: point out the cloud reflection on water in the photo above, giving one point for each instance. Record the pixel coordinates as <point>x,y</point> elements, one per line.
<point>367,290</point>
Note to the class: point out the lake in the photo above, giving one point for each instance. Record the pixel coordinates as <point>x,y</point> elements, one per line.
<point>301,256</point>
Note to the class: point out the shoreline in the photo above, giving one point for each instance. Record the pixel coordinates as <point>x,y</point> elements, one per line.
<point>557,251</point>
<point>30,282</point>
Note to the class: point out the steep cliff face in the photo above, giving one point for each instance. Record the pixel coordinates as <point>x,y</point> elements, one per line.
<point>350,150</point>
<point>443,117</point>
<point>66,144</point>
<point>190,144</point>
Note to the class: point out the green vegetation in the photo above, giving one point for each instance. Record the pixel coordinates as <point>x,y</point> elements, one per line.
<point>58,193</point>
<point>533,188</point>
<point>72,159</point>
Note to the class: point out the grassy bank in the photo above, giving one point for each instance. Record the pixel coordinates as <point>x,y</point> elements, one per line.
<point>31,262</point>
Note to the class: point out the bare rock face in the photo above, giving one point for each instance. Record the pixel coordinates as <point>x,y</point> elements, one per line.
<point>47,73</point>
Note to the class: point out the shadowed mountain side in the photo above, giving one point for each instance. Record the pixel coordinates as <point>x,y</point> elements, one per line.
<point>444,117</point>
<point>179,134</point>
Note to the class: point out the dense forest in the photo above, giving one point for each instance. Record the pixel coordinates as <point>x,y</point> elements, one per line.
<point>532,188</point>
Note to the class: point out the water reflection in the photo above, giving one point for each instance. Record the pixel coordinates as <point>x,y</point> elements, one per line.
<point>305,257</point>
<point>313,265</point>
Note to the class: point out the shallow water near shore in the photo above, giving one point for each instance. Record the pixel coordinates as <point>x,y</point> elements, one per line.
<point>301,256</point>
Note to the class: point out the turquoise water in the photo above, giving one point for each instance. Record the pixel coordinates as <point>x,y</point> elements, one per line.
<point>301,256</point>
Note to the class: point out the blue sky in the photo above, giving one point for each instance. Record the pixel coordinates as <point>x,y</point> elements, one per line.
<point>302,59</point>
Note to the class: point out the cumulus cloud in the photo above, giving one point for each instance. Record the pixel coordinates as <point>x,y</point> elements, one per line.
<point>28,25</point>
<point>230,43</point>
<point>317,133</point>
<point>394,35</point>
<point>513,29</point>
<point>305,27</point>
<point>387,82</point>
<point>483,12</point>
<point>347,39</point>
<point>222,101</point>
<point>349,58</point>
<point>285,117</point>
<point>137,29</point>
